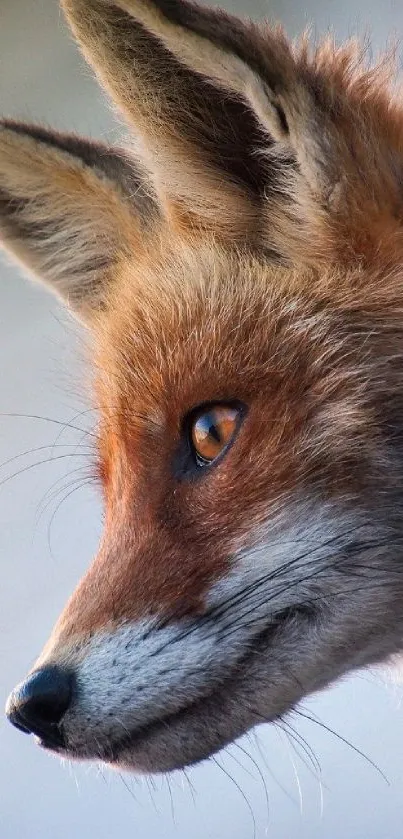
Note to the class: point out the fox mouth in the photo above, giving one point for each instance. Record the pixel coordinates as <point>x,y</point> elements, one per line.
<point>142,748</point>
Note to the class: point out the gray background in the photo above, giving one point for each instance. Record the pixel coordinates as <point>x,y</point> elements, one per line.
<point>43,551</point>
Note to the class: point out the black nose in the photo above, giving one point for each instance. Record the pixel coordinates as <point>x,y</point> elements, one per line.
<point>38,705</point>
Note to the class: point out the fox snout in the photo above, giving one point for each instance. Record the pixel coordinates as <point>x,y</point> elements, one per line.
<point>238,269</point>
<point>159,692</point>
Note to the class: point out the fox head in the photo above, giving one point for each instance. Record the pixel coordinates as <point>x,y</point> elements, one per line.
<point>238,266</point>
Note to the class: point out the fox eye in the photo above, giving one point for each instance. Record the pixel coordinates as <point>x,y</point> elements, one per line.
<point>212,429</point>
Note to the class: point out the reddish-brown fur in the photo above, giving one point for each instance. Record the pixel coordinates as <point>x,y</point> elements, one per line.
<point>258,260</point>
<point>166,541</point>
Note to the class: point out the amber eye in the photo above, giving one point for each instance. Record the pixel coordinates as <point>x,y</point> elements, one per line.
<point>211,431</point>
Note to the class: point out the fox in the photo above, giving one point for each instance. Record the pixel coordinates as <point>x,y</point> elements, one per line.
<point>237,265</point>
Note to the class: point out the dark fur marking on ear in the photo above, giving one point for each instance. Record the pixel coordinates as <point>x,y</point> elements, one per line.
<point>112,163</point>
<point>219,122</point>
<point>282,117</point>
<point>13,216</point>
<point>16,224</point>
<point>226,32</point>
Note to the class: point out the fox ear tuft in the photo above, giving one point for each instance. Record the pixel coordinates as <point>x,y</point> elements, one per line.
<point>69,208</point>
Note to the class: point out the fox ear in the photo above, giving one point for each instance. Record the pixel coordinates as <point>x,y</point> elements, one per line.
<point>202,89</point>
<point>69,208</point>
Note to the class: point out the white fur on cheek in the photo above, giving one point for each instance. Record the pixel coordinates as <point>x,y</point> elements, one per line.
<point>139,674</point>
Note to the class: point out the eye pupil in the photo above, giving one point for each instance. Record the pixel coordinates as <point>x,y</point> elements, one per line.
<point>207,427</point>
<point>212,430</point>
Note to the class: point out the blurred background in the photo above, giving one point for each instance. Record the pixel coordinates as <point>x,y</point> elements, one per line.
<point>300,780</point>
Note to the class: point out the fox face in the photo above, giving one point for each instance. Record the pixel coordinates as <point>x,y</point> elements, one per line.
<point>238,266</point>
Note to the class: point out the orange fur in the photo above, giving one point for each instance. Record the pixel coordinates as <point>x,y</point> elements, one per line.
<point>258,259</point>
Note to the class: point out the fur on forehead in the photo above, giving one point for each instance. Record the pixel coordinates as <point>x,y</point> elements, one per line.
<point>188,323</point>
<point>177,315</point>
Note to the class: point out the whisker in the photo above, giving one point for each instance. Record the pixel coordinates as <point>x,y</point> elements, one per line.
<point>211,615</point>
<point>343,740</point>
<point>283,735</point>
<point>240,790</point>
<point>42,449</point>
<point>228,751</point>
<point>54,490</point>
<point>65,497</point>
<point>129,789</point>
<point>62,423</point>
<point>71,423</point>
<point>269,577</point>
<point>307,749</point>
<point>172,800</point>
<point>301,752</point>
<point>190,785</point>
<point>260,773</point>
<point>151,792</point>
<point>38,463</point>
<point>270,771</point>
<point>307,559</point>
